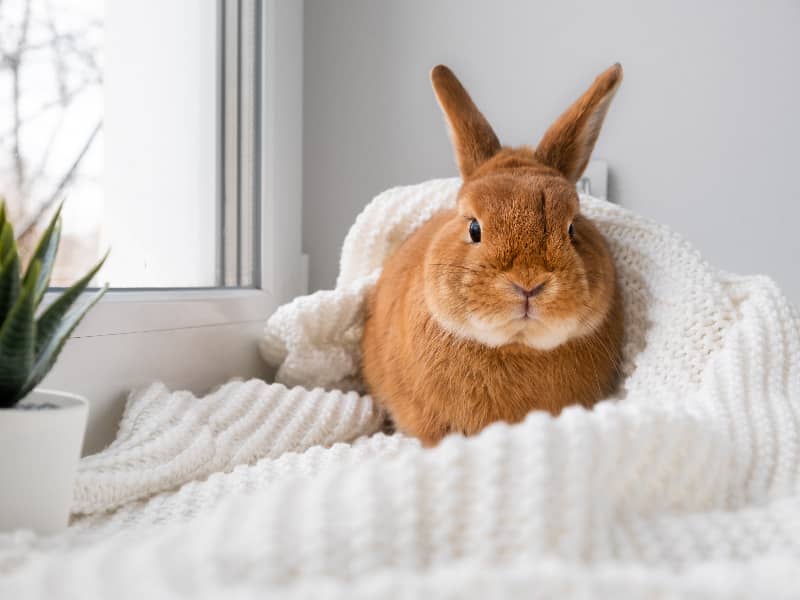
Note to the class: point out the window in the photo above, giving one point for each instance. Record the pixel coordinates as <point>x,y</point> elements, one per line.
<point>118,107</point>
<point>162,114</point>
<point>173,131</point>
<point>51,126</point>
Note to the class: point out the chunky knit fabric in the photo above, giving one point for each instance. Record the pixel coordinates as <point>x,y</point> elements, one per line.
<point>166,439</point>
<point>687,483</point>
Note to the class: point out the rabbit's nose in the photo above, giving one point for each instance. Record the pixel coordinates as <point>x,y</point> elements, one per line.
<point>529,293</point>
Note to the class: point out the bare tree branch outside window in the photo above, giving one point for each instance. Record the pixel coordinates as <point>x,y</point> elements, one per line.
<point>51,122</point>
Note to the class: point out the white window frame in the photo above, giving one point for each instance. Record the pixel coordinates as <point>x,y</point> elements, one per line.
<point>199,338</point>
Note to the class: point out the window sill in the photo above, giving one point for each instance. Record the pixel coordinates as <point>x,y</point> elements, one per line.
<point>188,339</point>
<point>141,311</point>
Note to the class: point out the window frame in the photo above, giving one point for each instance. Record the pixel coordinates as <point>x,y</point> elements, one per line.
<point>143,335</point>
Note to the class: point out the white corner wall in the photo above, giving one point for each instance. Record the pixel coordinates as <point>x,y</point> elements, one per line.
<point>703,134</point>
<point>284,268</point>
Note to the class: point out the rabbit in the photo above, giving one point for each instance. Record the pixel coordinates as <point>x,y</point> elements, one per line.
<point>509,301</point>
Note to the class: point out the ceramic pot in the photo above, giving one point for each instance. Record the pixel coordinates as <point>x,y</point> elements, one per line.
<point>40,444</point>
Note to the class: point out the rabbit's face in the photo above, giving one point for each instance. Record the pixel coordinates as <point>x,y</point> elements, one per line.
<point>518,264</point>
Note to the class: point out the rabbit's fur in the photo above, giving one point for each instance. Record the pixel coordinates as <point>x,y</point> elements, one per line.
<point>461,333</point>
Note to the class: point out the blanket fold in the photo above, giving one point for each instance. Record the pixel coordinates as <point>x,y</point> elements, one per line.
<point>168,439</point>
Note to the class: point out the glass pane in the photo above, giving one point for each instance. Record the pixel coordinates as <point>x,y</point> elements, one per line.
<point>113,105</point>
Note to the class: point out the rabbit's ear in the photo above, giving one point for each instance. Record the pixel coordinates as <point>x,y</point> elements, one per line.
<point>473,138</point>
<point>569,142</point>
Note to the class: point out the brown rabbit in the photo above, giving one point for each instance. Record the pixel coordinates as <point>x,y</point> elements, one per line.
<point>509,302</point>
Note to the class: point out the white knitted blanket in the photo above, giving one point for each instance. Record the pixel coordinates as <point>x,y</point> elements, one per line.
<point>688,484</point>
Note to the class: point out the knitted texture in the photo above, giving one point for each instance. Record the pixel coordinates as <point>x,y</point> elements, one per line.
<point>166,439</point>
<point>687,483</point>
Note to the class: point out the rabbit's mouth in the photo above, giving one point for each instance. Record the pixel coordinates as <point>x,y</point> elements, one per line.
<point>545,334</point>
<point>527,327</point>
<point>524,322</point>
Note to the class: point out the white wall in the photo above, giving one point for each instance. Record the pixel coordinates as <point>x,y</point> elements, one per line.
<point>704,134</point>
<point>284,269</point>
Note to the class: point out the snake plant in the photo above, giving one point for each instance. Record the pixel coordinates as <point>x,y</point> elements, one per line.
<point>32,335</point>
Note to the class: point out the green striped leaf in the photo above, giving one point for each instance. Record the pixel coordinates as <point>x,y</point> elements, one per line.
<point>48,322</point>
<point>7,244</point>
<point>9,264</point>
<point>17,343</point>
<point>9,284</point>
<point>48,354</point>
<point>3,222</point>
<point>45,253</point>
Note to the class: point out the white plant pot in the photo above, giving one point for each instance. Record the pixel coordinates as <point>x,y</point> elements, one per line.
<point>39,452</point>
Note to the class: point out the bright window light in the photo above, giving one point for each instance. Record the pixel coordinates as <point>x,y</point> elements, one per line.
<point>116,107</point>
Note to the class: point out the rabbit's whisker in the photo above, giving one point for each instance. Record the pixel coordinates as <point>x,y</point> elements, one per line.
<point>459,267</point>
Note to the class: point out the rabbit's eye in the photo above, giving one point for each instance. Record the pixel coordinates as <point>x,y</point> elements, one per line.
<point>571,231</point>
<point>475,231</point>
